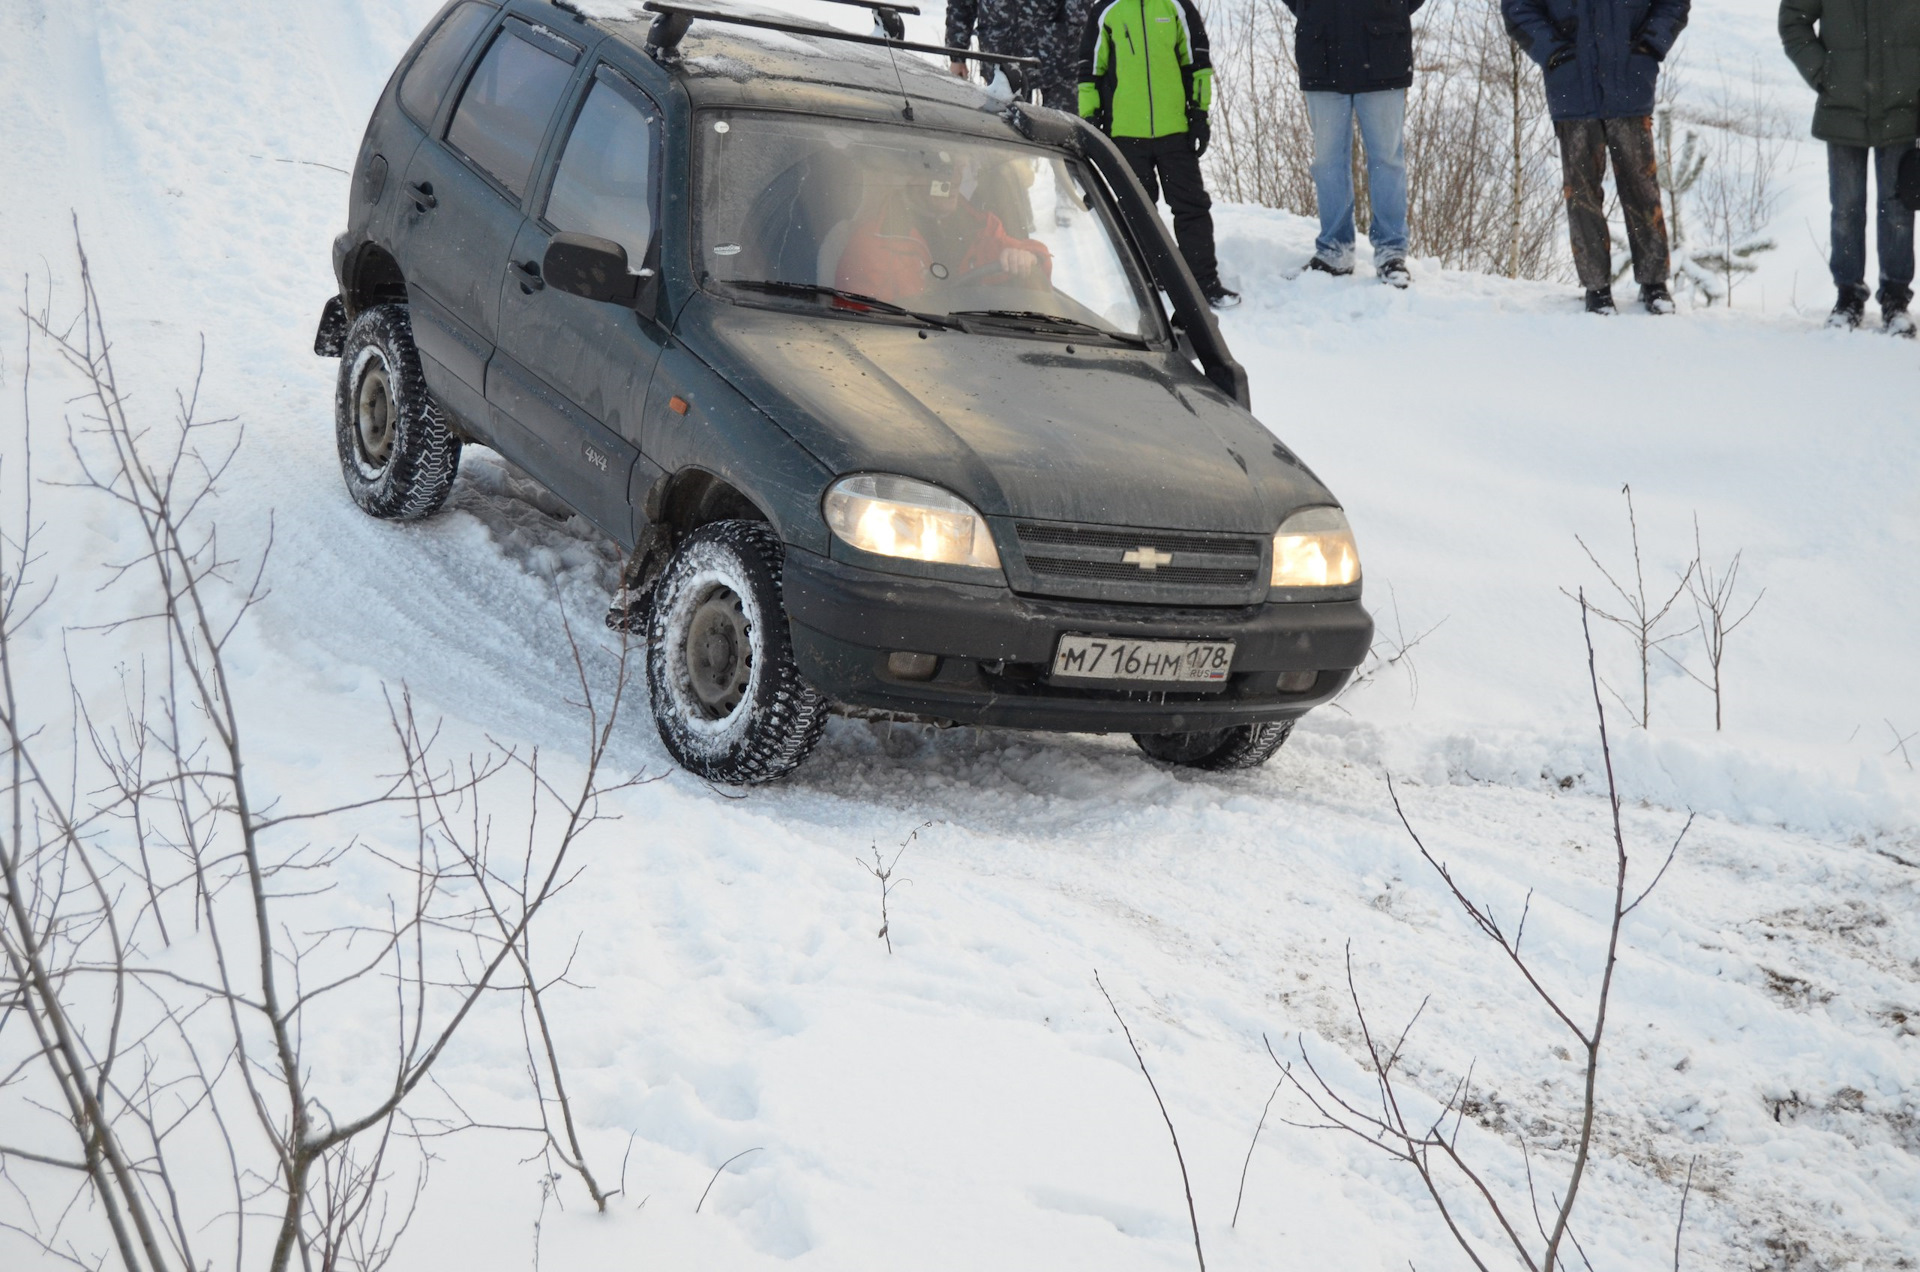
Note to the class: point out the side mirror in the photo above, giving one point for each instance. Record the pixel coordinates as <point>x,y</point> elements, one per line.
<point>596,268</point>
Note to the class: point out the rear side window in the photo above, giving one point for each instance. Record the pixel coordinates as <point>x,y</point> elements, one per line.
<point>504,112</point>
<point>427,78</point>
<point>605,182</point>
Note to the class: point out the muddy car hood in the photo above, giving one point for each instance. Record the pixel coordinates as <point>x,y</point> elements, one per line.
<point>1018,427</point>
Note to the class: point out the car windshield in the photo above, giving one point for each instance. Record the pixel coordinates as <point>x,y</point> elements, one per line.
<point>937,224</point>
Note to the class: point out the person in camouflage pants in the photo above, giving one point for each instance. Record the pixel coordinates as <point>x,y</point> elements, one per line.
<point>1046,29</point>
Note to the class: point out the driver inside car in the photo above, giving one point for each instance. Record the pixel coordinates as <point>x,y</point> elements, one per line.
<point>922,233</point>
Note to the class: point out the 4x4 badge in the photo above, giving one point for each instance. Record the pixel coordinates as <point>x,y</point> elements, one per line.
<point>1147,558</point>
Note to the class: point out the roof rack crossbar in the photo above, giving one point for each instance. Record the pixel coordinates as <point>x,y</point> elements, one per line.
<point>674,18</point>
<point>877,5</point>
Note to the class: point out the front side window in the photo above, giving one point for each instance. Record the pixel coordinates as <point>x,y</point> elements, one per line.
<point>503,113</point>
<point>604,185</point>
<point>935,223</point>
<point>427,78</point>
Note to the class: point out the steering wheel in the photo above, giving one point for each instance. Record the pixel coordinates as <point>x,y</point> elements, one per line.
<point>992,270</point>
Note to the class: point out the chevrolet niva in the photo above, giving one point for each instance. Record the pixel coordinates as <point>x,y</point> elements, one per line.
<point>896,393</point>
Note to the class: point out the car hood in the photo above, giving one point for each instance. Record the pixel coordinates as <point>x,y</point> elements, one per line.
<point>1018,427</point>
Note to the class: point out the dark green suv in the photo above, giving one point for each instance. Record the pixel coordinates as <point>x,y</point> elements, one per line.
<point>898,395</point>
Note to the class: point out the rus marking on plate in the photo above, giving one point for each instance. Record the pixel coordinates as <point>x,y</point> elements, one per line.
<point>1147,558</point>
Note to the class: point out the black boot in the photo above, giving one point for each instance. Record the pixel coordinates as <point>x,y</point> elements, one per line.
<point>1656,298</point>
<point>1894,318</point>
<point>1600,300</point>
<point>1849,309</point>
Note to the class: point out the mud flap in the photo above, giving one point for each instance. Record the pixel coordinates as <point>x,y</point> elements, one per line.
<point>331,338</point>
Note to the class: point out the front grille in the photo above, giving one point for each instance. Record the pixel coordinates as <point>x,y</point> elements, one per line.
<point>1196,575</point>
<point>1150,566</point>
<point>1160,540</point>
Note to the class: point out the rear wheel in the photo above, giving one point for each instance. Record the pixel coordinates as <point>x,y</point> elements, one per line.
<point>727,696</point>
<point>396,452</point>
<point>1242,746</point>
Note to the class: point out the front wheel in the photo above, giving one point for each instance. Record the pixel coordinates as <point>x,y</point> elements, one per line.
<point>728,698</point>
<point>1242,746</point>
<point>396,451</point>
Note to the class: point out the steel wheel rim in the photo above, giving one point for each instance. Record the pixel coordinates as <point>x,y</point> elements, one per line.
<point>718,654</point>
<point>373,414</point>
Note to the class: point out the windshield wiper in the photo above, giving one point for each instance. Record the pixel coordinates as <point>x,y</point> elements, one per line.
<point>1033,318</point>
<point>811,291</point>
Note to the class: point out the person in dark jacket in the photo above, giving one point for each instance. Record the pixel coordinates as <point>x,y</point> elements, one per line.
<point>1023,28</point>
<point>1046,29</point>
<point>1601,59</point>
<point>1356,62</point>
<point>1863,58</point>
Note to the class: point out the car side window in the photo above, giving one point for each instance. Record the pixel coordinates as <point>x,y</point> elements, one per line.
<point>604,185</point>
<point>503,114</point>
<point>427,78</point>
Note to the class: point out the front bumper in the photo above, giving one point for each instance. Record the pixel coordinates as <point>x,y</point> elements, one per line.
<point>995,649</point>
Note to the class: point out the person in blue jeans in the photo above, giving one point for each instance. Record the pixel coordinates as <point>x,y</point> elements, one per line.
<point>1863,58</point>
<point>1356,64</point>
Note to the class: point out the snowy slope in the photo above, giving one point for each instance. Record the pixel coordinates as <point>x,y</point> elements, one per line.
<point>968,1102</point>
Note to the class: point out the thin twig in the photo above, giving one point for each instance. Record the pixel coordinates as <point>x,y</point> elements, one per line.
<point>1681,1224</point>
<point>1258,1127</point>
<point>716,1176</point>
<point>1185,1183</point>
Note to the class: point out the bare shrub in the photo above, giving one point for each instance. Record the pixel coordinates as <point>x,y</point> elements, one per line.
<point>1714,602</point>
<point>1900,741</point>
<point>882,872</point>
<point>1390,652</point>
<point>1720,181</point>
<point>1262,149</point>
<point>1428,1142</point>
<point>1639,615</point>
<point>172,942</point>
<point>1483,188</point>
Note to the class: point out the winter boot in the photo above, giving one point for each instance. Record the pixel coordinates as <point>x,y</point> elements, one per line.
<point>1656,298</point>
<point>1219,297</point>
<point>1894,299</point>
<point>1394,273</point>
<point>1327,267</point>
<point>1600,300</point>
<point>1848,310</point>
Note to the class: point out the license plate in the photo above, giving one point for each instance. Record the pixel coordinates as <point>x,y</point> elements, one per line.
<point>1117,658</point>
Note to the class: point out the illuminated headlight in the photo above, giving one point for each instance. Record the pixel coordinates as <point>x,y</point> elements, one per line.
<point>901,517</point>
<point>1314,548</point>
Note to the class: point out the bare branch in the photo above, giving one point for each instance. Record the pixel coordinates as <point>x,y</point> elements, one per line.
<point>716,1176</point>
<point>1185,1183</point>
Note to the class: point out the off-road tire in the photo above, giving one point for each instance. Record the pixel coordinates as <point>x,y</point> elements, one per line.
<point>1242,746</point>
<point>719,601</point>
<point>396,451</point>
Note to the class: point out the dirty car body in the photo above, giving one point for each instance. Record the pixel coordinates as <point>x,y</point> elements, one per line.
<point>849,277</point>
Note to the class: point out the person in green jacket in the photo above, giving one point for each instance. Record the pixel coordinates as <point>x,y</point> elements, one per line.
<point>1146,78</point>
<point>1863,58</point>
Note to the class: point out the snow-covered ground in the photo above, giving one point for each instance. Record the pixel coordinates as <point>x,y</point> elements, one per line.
<point>967,1101</point>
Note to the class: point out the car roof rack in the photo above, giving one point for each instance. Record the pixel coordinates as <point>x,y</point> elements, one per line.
<point>673,17</point>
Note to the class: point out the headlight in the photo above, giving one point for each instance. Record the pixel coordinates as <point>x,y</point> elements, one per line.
<point>1314,548</point>
<point>901,517</point>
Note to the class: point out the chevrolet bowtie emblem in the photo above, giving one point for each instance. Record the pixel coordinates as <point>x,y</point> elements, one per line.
<point>1147,558</point>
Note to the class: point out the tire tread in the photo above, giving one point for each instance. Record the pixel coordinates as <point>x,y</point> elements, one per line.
<point>426,452</point>
<point>790,713</point>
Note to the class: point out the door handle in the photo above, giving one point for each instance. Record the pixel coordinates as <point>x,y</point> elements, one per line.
<point>422,192</point>
<point>530,280</point>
